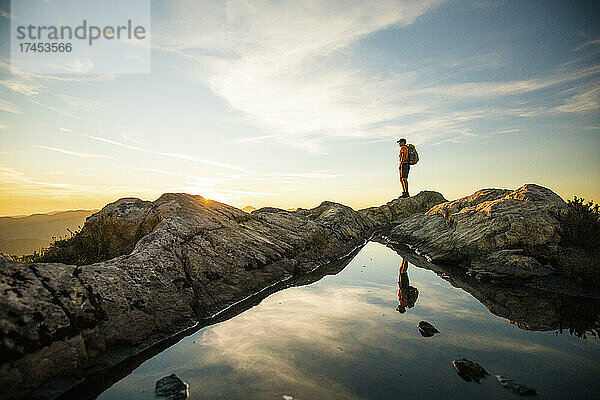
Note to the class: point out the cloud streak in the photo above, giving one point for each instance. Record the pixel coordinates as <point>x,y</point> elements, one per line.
<point>75,153</point>
<point>180,156</point>
<point>11,177</point>
<point>9,107</point>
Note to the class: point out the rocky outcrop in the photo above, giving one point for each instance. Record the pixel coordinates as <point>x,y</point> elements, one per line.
<point>492,233</point>
<point>140,271</point>
<point>399,209</point>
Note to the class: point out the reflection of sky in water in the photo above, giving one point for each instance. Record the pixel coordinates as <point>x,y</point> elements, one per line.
<point>341,338</point>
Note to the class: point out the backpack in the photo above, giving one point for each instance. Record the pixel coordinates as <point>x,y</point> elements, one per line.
<point>413,156</point>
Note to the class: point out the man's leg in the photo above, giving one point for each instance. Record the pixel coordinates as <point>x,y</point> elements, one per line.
<point>405,176</point>
<point>404,179</point>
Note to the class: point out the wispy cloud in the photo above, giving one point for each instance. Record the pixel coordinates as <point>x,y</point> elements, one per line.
<point>13,181</point>
<point>29,84</point>
<point>270,61</point>
<point>308,175</point>
<point>280,70</point>
<point>589,43</point>
<point>194,178</point>
<point>75,153</point>
<point>586,101</point>
<point>180,156</point>
<point>9,107</point>
<point>11,178</point>
<point>23,85</point>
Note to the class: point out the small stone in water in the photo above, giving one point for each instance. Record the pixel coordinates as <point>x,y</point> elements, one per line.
<point>469,370</point>
<point>286,397</point>
<point>426,329</point>
<point>172,388</point>
<point>515,387</point>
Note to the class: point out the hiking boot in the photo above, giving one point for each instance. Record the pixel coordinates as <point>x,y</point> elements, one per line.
<point>405,194</point>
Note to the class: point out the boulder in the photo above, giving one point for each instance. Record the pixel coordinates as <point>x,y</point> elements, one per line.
<point>494,232</point>
<point>399,209</point>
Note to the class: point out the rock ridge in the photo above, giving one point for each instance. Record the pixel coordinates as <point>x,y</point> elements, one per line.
<point>139,271</point>
<point>491,233</point>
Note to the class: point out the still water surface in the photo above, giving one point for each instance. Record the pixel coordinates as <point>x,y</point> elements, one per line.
<point>343,338</point>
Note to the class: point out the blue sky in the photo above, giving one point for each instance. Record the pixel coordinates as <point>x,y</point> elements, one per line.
<point>290,103</point>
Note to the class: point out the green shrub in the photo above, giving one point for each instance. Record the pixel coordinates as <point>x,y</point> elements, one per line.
<point>580,239</point>
<point>581,225</point>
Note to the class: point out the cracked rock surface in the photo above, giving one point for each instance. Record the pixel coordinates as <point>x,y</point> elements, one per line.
<point>493,233</point>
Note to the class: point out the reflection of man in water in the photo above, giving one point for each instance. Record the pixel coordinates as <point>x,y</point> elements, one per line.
<point>407,295</point>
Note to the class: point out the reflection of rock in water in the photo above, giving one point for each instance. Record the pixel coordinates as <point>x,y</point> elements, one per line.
<point>426,329</point>
<point>172,388</point>
<point>515,387</point>
<point>525,307</point>
<point>469,371</point>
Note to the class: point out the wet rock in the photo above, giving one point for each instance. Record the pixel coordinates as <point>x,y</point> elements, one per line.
<point>503,263</point>
<point>426,329</point>
<point>493,233</point>
<point>469,370</point>
<point>172,388</point>
<point>515,387</point>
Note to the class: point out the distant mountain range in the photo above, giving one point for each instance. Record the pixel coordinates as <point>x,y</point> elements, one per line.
<point>24,235</point>
<point>249,209</point>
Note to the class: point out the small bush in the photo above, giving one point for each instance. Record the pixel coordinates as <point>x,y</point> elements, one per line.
<point>581,225</point>
<point>79,249</point>
<point>580,239</point>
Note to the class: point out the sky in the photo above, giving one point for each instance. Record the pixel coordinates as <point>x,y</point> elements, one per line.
<point>288,104</point>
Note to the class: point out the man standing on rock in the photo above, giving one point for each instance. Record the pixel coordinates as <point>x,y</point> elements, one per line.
<point>404,167</point>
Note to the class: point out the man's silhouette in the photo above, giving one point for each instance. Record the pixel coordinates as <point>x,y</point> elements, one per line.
<point>407,295</point>
<point>404,166</point>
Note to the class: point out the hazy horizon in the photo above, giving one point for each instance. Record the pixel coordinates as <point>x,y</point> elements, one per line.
<point>288,104</point>
<point>240,206</point>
